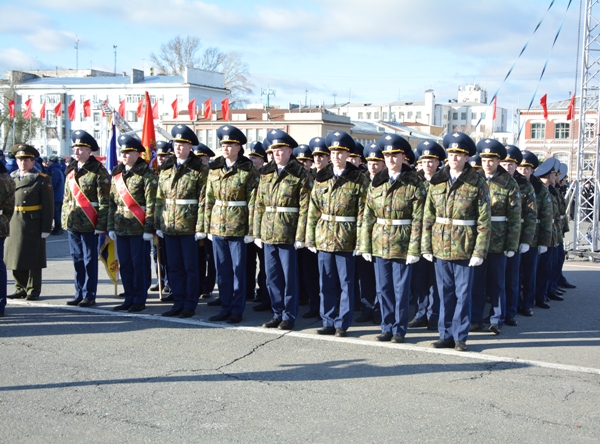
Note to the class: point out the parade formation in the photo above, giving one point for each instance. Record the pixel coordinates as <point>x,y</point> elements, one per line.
<point>423,238</point>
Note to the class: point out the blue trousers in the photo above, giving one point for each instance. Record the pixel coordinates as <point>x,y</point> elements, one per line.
<point>455,283</point>
<point>308,267</point>
<point>57,215</point>
<point>134,265</point>
<point>336,278</point>
<point>281,267</point>
<point>527,276</point>
<point>424,289</point>
<point>365,284</point>
<point>84,251</point>
<point>543,274</point>
<point>559,261</point>
<point>393,288</point>
<point>3,277</point>
<point>182,259</point>
<point>513,265</point>
<point>230,262</point>
<point>489,280</point>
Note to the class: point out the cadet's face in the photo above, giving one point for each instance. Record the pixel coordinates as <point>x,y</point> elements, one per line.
<point>130,157</point>
<point>394,162</point>
<point>182,149</point>
<point>525,171</point>
<point>430,166</point>
<point>308,164</point>
<point>257,161</point>
<point>281,155</point>
<point>511,167</point>
<point>231,150</point>
<point>205,160</point>
<point>160,159</point>
<point>321,160</point>
<point>269,156</point>
<point>490,165</point>
<point>81,153</point>
<point>457,161</point>
<point>375,166</point>
<point>25,164</point>
<point>354,160</point>
<point>339,158</point>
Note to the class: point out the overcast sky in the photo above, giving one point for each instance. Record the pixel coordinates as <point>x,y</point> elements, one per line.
<point>362,50</point>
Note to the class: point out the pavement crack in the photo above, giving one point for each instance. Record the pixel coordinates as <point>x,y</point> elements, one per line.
<point>488,370</point>
<point>566,398</point>
<point>254,349</point>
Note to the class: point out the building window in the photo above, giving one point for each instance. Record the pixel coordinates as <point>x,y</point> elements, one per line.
<point>409,115</point>
<point>134,98</point>
<point>384,116</point>
<point>131,116</point>
<point>360,115</point>
<point>376,115</point>
<point>562,157</point>
<point>96,117</point>
<point>368,115</point>
<point>82,98</point>
<point>588,161</point>
<point>474,116</point>
<point>400,116</point>
<point>454,116</point>
<point>561,131</point>
<point>418,115</point>
<point>538,130</point>
<point>97,134</point>
<point>463,116</point>
<point>590,130</point>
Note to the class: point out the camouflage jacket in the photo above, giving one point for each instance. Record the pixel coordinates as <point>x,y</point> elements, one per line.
<point>505,200</point>
<point>179,205</point>
<point>7,200</point>
<point>94,181</point>
<point>141,182</point>
<point>402,200</point>
<point>225,187</point>
<point>468,198</point>
<point>528,209</point>
<point>543,230</point>
<point>330,198</point>
<point>562,210</point>
<point>559,209</point>
<point>276,193</point>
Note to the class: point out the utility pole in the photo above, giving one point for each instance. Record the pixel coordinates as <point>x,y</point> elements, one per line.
<point>268,92</point>
<point>76,52</point>
<point>115,50</point>
<point>334,96</point>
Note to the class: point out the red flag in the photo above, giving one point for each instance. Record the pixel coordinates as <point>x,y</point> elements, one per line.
<point>140,109</point>
<point>58,109</point>
<point>43,111</point>
<point>87,108</point>
<point>11,109</point>
<point>122,108</point>
<point>148,134</point>
<point>27,112</point>
<point>155,110</point>
<point>71,110</point>
<point>208,109</point>
<point>226,110</point>
<point>571,108</point>
<point>192,110</point>
<point>174,106</point>
<point>495,102</point>
<point>543,102</point>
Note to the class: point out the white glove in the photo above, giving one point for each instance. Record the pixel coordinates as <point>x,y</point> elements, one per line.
<point>509,253</point>
<point>112,235</point>
<point>428,257</point>
<point>248,239</point>
<point>412,259</point>
<point>298,245</point>
<point>258,243</point>
<point>356,253</point>
<point>475,262</point>
<point>523,248</point>
<point>368,257</point>
<point>542,249</point>
<point>209,236</point>
<point>160,234</point>
<point>99,232</point>
<point>45,235</point>
<point>149,237</point>
<point>312,249</point>
<point>199,236</point>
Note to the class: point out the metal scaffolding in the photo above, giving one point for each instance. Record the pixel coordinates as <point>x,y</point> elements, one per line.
<point>587,209</point>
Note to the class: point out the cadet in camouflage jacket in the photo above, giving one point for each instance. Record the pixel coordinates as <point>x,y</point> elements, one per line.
<point>405,199</point>
<point>467,199</point>
<point>557,223</point>
<point>141,183</point>
<point>237,183</point>
<point>528,209</point>
<point>544,218</point>
<point>94,181</point>
<point>290,188</point>
<point>188,182</point>
<point>343,197</point>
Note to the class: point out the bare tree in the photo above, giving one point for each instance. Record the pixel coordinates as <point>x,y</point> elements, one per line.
<point>179,53</point>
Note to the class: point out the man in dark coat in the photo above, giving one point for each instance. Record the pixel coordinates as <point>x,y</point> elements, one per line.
<point>7,207</point>
<point>58,184</point>
<point>31,224</point>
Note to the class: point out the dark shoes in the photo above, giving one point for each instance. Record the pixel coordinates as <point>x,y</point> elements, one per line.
<point>220,317</point>
<point>386,336</point>
<point>75,301</point>
<point>273,323</point>
<point>168,298</point>
<point>511,322</point>
<point>286,325</point>
<point>17,296</point>
<point>568,285</point>
<point>32,297</point>
<point>460,346</point>
<point>310,314</point>
<point>340,333</point>
<point>542,305</point>
<point>444,343</point>
<point>260,307</point>
<point>172,312</point>
<point>57,232</point>
<point>527,312</point>
<point>136,308</point>
<point>431,325</point>
<point>495,328</point>
<point>122,307</point>
<point>418,322</point>
<point>216,303</point>
<point>234,319</point>
<point>187,313</point>
<point>86,303</point>
<point>364,317</point>
<point>205,296</point>
<point>476,326</point>
<point>555,297</point>
<point>153,288</point>
<point>398,339</point>
<point>326,331</point>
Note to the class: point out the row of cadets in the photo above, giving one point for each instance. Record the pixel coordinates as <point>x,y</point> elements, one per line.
<point>280,211</point>
<point>490,278</point>
<point>391,233</point>
<point>424,288</point>
<point>131,221</point>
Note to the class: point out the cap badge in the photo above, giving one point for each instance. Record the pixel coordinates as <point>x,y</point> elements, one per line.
<point>455,135</point>
<point>336,134</point>
<point>225,128</point>
<point>426,143</point>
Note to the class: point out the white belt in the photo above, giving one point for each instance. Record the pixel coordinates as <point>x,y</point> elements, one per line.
<point>562,217</point>
<point>124,208</point>
<point>498,218</point>
<point>0,212</point>
<point>522,220</point>
<point>537,221</point>
<point>75,203</point>
<point>231,203</point>
<point>448,221</point>
<point>182,201</point>
<point>394,222</point>
<point>282,210</point>
<point>338,218</point>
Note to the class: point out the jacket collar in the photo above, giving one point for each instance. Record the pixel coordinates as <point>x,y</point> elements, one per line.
<point>501,177</point>
<point>92,165</point>
<point>139,168</point>
<point>536,183</point>
<point>351,173</point>
<point>407,176</point>
<point>293,168</point>
<point>469,176</point>
<point>242,163</point>
<point>193,163</point>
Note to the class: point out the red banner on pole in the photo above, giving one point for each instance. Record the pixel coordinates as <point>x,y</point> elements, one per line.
<point>87,108</point>
<point>208,109</point>
<point>27,112</point>
<point>226,110</point>
<point>140,109</point>
<point>58,109</point>
<point>192,110</point>
<point>148,134</point>
<point>11,109</point>
<point>174,106</point>
<point>122,108</point>
<point>543,102</point>
<point>43,111</point>
<point>155,110</point>
<point>495,103</point>
<point>571,109</point>
<point>71,110</point>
